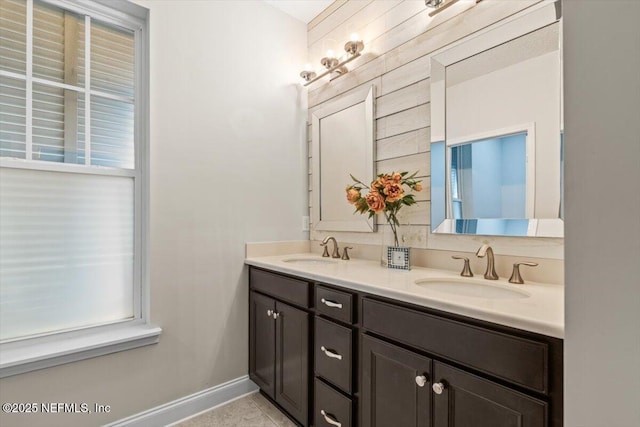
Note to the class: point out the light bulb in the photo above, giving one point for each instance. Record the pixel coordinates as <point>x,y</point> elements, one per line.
<point>330,54</point>
<point>308,67</point>
<point>355,37</point>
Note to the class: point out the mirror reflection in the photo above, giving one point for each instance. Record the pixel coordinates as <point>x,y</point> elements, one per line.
<point>496,130</point>
<point>487,178</point>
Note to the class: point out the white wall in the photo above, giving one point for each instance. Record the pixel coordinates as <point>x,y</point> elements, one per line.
<point>228,159</point>
<point>602,119</point>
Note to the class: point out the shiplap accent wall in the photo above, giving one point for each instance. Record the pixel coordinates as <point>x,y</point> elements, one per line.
<point>400,39</point>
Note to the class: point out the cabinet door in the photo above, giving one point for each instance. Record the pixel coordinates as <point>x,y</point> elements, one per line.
<point>292,361</point>
<point>396,386</point>
<point>262,342</point>
<point>470,401</point>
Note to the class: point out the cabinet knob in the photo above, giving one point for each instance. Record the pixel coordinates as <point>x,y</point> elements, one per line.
<point>421,380</point>
<point>438,388</point>
<point>329,419</point>
<point>269,313</point>
<point>276,315</point>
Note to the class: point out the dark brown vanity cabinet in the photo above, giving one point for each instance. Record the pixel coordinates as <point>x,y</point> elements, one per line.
<point>385,363</point>
<point>279,341</point>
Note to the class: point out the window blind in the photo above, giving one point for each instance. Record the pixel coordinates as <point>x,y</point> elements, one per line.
<point>66,257</point>
<point>59,54</point>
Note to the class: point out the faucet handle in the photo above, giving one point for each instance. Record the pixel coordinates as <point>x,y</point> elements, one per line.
<point>466,270</point>
<point>515,275</point>
<point>336,252</point>
<point>325,254</point>
<point>345,253</point>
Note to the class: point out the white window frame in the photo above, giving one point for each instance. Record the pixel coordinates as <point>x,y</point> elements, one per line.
<point>46,350</point>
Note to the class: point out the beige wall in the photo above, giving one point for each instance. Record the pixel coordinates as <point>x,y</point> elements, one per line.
<point>399,39</point>
<point>602,112</point>
<point>228,165</point>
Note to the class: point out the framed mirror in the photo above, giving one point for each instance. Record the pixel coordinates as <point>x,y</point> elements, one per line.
<point>343,143</point>
<point>496,131</point>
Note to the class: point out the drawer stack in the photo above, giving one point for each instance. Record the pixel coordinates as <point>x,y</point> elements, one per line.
<point>334,357</point>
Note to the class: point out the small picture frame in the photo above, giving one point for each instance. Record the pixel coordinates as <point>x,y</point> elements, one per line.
<point>398,257</point>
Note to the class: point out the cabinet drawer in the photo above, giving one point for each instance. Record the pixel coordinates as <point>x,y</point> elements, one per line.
<point>333,349</point>
<point>518,360</point>
<point>331,407</point>
<point>282,287</point>
<point>335,304</point>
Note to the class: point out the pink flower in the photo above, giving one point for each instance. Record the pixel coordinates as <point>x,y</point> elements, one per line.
<point>375,201</point>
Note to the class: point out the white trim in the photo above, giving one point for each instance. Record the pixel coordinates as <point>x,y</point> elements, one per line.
<point>39,80</point>
<point>13,75</point>
<point>43,165</point>
<point>190,406</point>
<point>122,13</point>
<point>42,352</point>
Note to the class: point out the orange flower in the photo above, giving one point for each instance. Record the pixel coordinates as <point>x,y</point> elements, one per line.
<point>418,187</point>
<point>352,195</point>
<point>393,192</point>
<point>375,201</point>
<point>396,177</point>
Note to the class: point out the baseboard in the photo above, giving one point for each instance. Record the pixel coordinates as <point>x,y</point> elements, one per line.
<point>189,405</point>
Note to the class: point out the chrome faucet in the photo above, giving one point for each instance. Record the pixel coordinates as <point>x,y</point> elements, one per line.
<point>336,250</point>
<point>490,274</point>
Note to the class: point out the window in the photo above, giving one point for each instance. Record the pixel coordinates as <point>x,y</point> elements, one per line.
<point>73,177</point>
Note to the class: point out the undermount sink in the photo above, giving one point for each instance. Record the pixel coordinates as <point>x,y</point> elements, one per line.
<point>470,288</point>
<point>309,261</point>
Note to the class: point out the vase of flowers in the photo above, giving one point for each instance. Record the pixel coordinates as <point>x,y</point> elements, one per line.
<point>386,195</point>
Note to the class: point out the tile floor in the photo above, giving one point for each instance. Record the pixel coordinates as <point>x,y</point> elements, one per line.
<point>249,411</point>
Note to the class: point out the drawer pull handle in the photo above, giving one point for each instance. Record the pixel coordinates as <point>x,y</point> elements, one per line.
<point>329,419</point>
<point>421,380</point>
<point>330,353</point>
<point>331,303</point>
<point>438,388</point>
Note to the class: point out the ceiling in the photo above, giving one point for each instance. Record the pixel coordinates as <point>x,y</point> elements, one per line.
<point>303,10</point>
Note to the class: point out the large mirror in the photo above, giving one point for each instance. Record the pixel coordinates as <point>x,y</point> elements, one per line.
<point>496,151</point>
<point>343,143</point>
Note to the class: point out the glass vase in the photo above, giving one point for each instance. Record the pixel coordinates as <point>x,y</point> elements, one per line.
<point>394,255</point>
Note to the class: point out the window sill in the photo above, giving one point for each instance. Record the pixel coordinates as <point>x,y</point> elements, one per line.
<point>43,352</point>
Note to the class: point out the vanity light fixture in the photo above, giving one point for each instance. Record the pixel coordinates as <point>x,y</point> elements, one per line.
<point>308,73</point>
<point>335,65</point>
<point>440,5</point>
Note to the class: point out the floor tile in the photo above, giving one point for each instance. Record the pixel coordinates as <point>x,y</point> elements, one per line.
<point>272,412</point>
<point>250,411</point>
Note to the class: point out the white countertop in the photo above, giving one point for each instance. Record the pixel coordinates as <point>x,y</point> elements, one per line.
<point>541,312</point>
